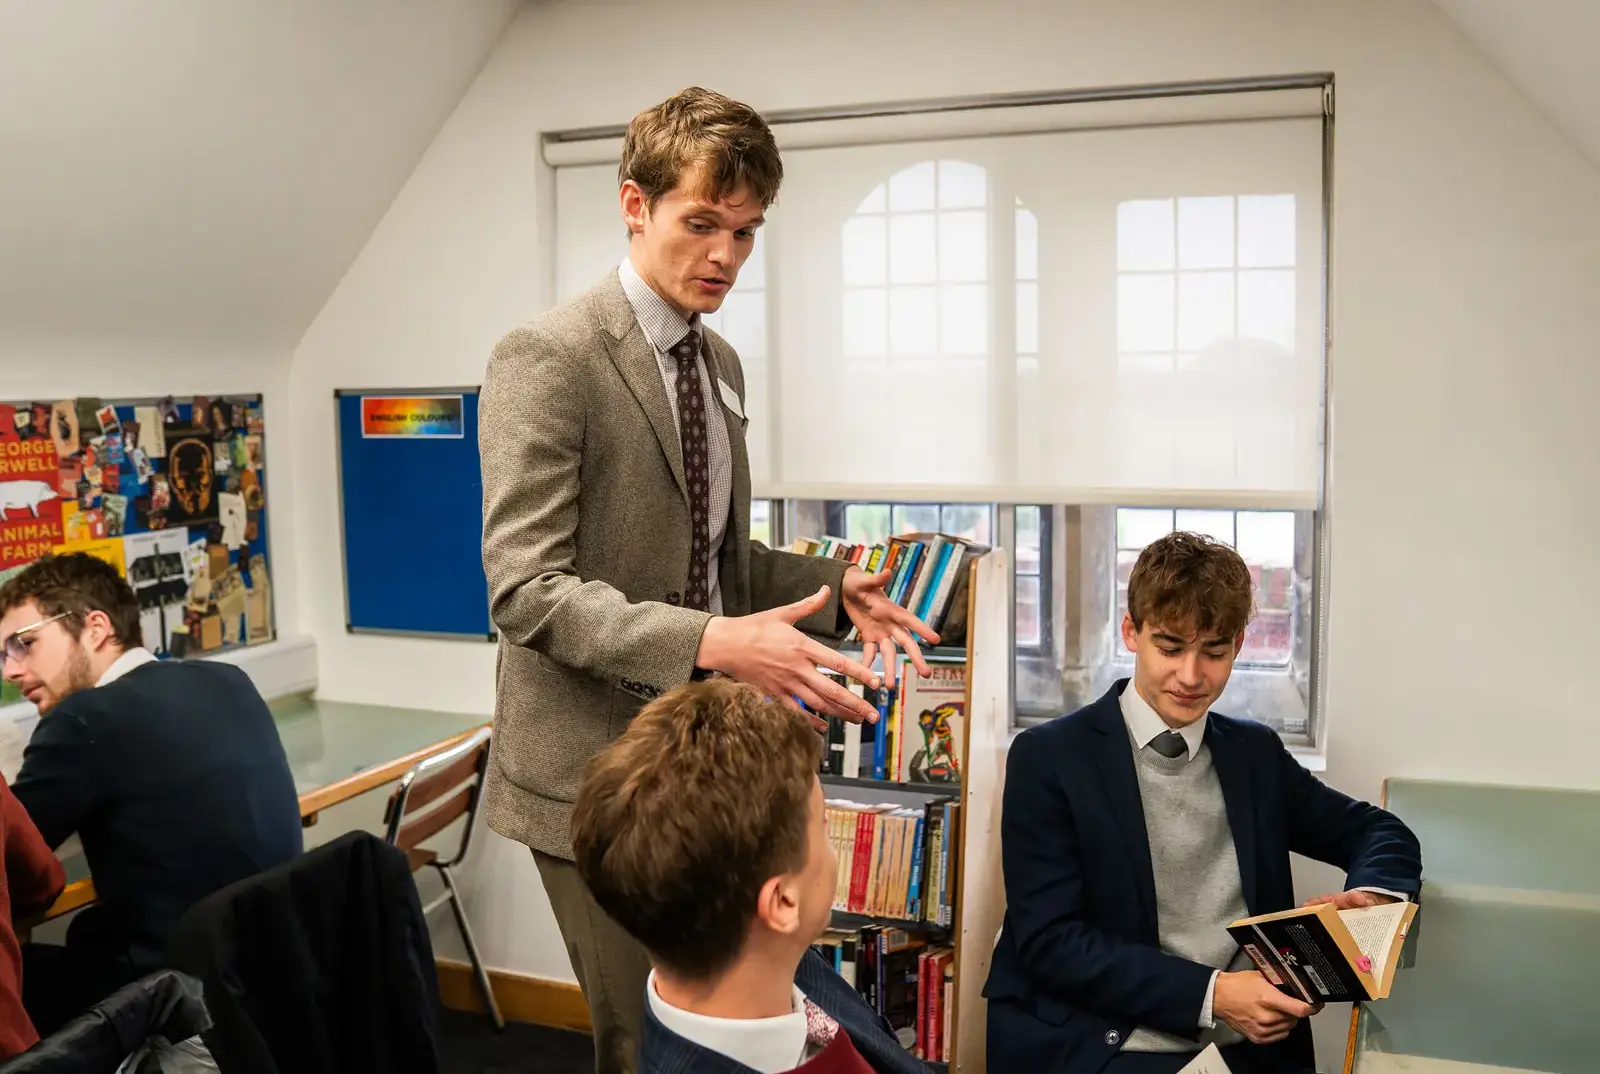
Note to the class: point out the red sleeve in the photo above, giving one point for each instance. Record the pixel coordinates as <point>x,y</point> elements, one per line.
<point>33,872</point>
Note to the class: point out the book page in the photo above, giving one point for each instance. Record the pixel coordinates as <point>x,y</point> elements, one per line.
<point>1209,1061</point>
<point>1373,929</point>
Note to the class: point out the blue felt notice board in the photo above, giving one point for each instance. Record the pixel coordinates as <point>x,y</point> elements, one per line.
<point>411,512</point>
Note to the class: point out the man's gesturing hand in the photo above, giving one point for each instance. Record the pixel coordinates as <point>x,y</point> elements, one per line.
<point>1249,1003</point>
<point>766,650</point>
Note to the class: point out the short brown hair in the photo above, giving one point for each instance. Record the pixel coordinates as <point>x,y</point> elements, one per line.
<point>1191,582</point>
<point>75,585</point>
<point>679,823</point>
<point>697,130</point>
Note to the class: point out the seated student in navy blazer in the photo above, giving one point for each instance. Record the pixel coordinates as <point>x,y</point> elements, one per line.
<point>170,771</point>
<point>1136,829</point>
<point>701,832</point>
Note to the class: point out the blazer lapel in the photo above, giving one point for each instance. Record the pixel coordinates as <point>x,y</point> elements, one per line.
<point>1233,775</point>
<point>636,360</point>
<point>735,571</point>
<point>1113,755</point>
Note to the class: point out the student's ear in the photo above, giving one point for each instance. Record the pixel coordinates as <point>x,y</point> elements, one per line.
<point>778,905</point>
<point>1238,644</point>
<point>1130,634</point>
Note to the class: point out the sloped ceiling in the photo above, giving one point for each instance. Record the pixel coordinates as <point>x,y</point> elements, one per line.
<point>1550,49</point>
<point>207,169</point>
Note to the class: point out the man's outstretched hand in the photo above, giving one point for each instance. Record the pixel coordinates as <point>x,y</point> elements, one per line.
<point>768,651</point>
<point>882,624</point>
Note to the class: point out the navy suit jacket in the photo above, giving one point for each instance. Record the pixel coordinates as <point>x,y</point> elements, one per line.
<point>176,779</point>
<point>1079,965</point>
<point>661,1051</point>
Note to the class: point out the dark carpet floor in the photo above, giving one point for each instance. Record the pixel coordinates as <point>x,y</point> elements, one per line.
<point>471,1046</point>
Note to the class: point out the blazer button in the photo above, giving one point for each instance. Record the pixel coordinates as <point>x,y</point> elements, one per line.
<point>1113,1038</point>
<point>674,597</point>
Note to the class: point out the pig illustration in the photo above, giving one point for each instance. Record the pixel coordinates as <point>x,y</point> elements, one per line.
<point>28,494</point>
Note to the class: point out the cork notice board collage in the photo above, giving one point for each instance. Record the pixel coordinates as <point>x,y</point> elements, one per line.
<point>172,492</point>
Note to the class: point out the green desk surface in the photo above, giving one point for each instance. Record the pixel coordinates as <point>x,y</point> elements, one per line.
<point>328,741</point>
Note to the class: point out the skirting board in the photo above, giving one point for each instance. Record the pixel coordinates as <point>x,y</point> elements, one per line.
<point>522,998</point>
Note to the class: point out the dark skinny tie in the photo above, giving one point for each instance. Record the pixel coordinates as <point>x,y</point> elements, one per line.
<point>696,467</point>
<point>1170,745</point>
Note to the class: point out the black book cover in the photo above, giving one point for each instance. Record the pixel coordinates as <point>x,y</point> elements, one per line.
<point>1300,957</point>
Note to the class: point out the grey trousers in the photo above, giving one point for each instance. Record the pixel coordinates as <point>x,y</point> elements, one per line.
<point>612,967</point>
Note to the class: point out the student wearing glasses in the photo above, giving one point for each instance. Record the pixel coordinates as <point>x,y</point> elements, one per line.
<point>171,772</point>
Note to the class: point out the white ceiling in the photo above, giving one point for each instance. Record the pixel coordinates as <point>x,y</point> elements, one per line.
<point>1548,49</point>
<point>207,169</point>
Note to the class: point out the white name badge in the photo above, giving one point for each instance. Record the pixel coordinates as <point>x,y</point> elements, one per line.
<point>730,399</point>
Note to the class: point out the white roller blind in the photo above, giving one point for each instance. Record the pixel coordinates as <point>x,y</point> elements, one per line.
<point>1093,314</point>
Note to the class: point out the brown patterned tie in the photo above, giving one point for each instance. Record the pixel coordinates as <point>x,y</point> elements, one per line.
<point>696,467</point>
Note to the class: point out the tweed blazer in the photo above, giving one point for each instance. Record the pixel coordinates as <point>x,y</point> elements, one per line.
<point>586,540</point>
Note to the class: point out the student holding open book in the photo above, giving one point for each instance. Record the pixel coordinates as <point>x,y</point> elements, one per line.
<point>1138,830</point>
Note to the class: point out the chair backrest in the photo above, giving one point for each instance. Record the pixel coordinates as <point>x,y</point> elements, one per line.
<point>451,782</point>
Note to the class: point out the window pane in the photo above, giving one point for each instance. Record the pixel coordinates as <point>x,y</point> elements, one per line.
<point>744,324</point>
<point>866,523</point>
<point>962,185</point>
<point>865,243</point>
<point>913,321</point>
<point>1027,318</point>
<point>1266,306</point>
<point>761,521</point>
<point>1144,313</point>
<point>1145,235</point>
<point>969,520</point>
<point>912,188</point>
<point>1027,519</point>
<point>912,249</point>
<point>1028,612</point>
<point>1266,231</point>
<point>1138,526</point>
<point>916,518</point>
<point>963,319</point>
<point>1027,245</point>
<point>963,246</point>
<point>1205,233</point>
<point>1205,309</point>
<point>875,202</point>
<point>1267,537</point>
<point>866,323</point>
<point>1217,525</point>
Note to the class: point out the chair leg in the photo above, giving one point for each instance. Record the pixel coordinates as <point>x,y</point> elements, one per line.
<point>472,949</point>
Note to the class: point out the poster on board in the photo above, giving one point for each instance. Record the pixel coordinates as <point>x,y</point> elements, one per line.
<point>425,417</point>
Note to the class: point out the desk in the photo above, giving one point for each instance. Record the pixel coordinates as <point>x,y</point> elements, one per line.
<point>336,751</point>
<point>1505,945</point>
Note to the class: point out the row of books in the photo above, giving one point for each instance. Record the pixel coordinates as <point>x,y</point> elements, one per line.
<point>897,861</point>
<point>908,981</point>
<point>931,572</point>
<point>920,734</point>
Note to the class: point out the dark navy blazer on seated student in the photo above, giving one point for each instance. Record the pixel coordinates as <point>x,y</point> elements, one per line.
<point>661,1051</point>
<point>1078,965</point>
<point>174,776</point>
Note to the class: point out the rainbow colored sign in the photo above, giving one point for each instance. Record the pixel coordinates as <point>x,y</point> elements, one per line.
<point>437,417</point>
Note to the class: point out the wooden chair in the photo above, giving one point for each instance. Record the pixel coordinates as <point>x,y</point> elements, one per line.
<point>451,783</point>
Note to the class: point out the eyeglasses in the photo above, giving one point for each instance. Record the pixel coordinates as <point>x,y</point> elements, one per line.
<point>16,646</point>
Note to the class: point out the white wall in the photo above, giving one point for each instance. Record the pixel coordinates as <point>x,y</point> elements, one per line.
<point>1467,252</point>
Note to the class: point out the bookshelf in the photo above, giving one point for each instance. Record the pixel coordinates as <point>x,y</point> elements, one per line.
<point>979,903</point>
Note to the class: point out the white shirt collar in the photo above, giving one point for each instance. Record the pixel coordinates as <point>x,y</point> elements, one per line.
<point>769,1045</point>
<point>138,656</point>
<point>663,326</point>
<point>1144,724</point>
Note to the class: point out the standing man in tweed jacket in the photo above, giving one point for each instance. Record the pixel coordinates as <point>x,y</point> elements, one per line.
<point>616,520</point>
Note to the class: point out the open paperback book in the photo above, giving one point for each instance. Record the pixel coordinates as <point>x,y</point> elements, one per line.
<point>1322,955</point>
